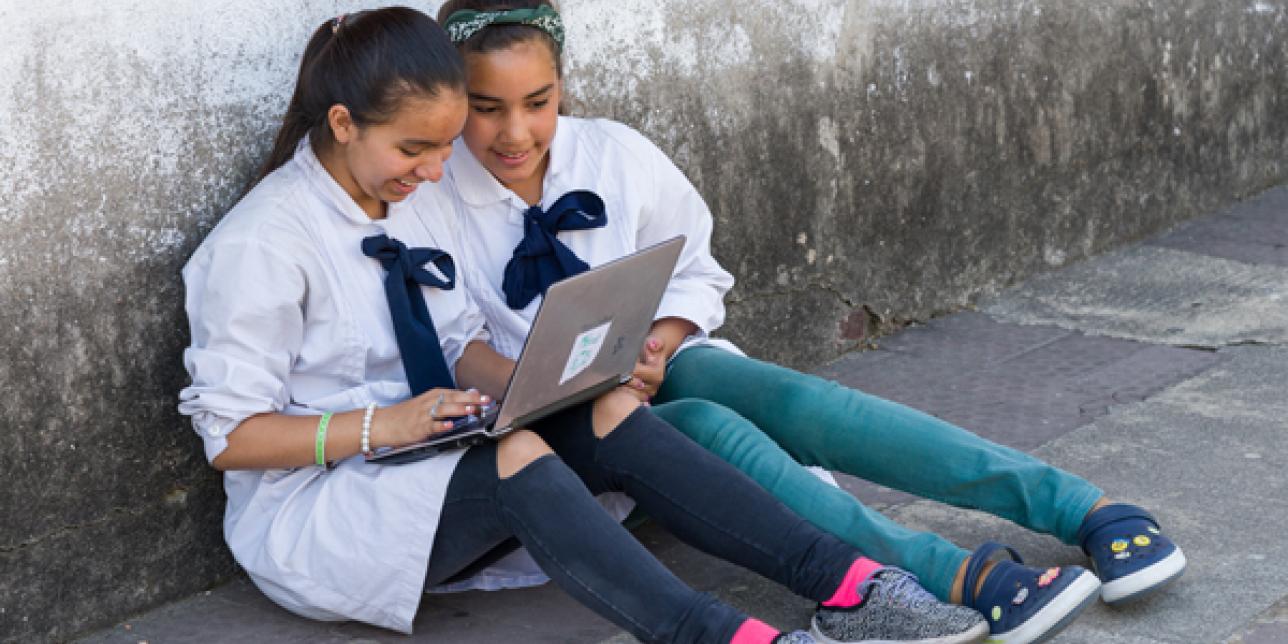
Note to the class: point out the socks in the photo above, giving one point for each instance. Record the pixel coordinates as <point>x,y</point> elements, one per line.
<point>754,631</point>
<point>848,594</point>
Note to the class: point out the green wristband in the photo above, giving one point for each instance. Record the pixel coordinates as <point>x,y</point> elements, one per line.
<point>320,448</point>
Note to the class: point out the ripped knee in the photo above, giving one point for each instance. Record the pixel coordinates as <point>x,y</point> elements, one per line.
<point>611,409</point>
<point>517,450</point>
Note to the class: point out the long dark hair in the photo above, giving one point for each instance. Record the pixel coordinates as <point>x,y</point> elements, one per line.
<point>368,62</point>
<point>499,37</point>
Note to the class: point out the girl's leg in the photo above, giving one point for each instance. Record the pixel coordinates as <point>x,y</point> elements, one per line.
<point>698,497</point>
<point>822,423</point>
<point>707,503</point>
<point>517,487</point>
<point>733,438</point>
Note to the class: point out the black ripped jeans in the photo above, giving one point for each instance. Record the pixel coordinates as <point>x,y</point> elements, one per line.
<point>549,508</point>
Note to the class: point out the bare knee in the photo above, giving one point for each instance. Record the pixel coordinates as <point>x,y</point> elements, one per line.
<point>517,450</point>
<point>611,409</point>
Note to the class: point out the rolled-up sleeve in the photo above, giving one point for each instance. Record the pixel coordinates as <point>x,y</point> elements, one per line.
<point>697,289</point>
<point>245,310</point>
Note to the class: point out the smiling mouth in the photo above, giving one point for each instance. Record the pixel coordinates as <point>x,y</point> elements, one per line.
<point>512,159</point>
<point>405,184</point>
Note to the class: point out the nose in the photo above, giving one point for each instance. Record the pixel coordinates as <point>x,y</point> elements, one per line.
<point>432,169</point>
<point>515,129</point>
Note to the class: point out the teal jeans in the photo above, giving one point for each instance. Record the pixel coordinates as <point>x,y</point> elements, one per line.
<point>775,420</point>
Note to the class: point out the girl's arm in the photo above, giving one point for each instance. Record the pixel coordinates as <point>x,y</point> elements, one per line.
<point>482,368</point>
<point>244,341</point>
<point>694,298</point>
<point>664,339</point>
<point>672,206</point>
<point>278,441</point>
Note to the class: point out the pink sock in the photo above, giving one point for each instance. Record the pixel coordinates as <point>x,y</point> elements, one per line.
<point>848,594</point>
<point>754,631</point>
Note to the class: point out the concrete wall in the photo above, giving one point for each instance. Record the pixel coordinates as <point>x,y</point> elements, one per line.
<point>869,163</point>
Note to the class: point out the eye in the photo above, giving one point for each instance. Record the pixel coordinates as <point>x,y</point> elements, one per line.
<point>483,109</point>
<point>408,153</point>
<point>536,105</point>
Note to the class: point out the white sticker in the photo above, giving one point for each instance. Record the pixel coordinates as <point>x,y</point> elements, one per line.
<point>584,349</point>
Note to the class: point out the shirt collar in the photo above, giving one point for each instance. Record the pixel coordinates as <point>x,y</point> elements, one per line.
<point>478,187</point>
<point>474,183</point>
<point>562,149</point>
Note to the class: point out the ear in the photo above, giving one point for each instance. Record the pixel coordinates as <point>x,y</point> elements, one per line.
<point>343,129</point>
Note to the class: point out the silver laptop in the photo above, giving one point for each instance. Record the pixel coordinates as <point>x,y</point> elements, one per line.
<point>584,341</point>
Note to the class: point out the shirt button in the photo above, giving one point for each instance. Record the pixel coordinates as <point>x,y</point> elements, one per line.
<point>212,431</point>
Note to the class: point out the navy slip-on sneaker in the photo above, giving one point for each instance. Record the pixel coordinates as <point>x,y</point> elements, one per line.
<point>1129,552</point>
<point>1023,604</point>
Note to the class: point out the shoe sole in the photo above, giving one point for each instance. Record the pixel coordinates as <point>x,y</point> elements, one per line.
<point>1144,582</point>
<point>972,636</point>
<point>1056,615</point>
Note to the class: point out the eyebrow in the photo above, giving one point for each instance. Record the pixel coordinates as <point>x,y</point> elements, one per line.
<point>484,97</point>
<point>415,142</point>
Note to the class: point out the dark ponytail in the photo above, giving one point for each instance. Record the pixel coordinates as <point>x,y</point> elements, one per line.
<point>500,37</point>
<point>368,62</point>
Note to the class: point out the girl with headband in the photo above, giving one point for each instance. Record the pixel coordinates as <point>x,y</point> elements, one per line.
<point>328,320</point>
<point>515,160</point>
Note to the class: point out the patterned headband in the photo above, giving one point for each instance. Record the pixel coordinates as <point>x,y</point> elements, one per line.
<point>462,25</point>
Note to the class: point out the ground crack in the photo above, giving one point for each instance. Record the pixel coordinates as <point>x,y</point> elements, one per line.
<point>1213,348</point>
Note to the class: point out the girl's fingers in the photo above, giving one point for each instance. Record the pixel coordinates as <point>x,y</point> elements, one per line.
<point>634,393</point>
<point>449,410</point>
<point>453,396</point>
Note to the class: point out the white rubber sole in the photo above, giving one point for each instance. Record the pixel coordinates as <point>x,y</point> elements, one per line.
<point>1145,581</point>
<point>1055,615</point>
<point>972,636</point>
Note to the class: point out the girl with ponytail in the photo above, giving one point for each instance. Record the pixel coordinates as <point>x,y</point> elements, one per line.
<point>329,320</point>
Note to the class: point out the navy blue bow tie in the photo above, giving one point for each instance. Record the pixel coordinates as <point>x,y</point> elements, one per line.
<point>541,259</point>
<point>422,355</point>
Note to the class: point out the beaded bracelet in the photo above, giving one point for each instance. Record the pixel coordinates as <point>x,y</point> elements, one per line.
<point>366,429</point>
<point>319,449</point>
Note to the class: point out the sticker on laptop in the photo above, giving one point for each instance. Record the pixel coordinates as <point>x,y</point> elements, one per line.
<point>584,349</point>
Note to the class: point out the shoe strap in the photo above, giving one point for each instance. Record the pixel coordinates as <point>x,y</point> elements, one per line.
<point>1107,515</point>
<point>975,568</point>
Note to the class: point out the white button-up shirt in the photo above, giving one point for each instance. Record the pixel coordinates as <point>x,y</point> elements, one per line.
<point>647,199</point>
<point>289,316</point>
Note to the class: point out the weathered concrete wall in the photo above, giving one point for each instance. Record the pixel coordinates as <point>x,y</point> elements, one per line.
<point>869,162</point>
<point>872,162</point>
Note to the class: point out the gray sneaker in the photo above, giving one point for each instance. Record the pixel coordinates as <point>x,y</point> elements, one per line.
<point>794,637</point>
<point>895,608</point>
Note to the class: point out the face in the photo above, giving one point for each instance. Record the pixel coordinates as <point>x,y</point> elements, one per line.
<point>514,107</point>
<point>384,162</point>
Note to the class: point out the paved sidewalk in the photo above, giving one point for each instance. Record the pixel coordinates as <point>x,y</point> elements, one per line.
<point>1158,372</point>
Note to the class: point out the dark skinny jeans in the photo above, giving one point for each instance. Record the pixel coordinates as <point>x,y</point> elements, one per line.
<point>549,507</point>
